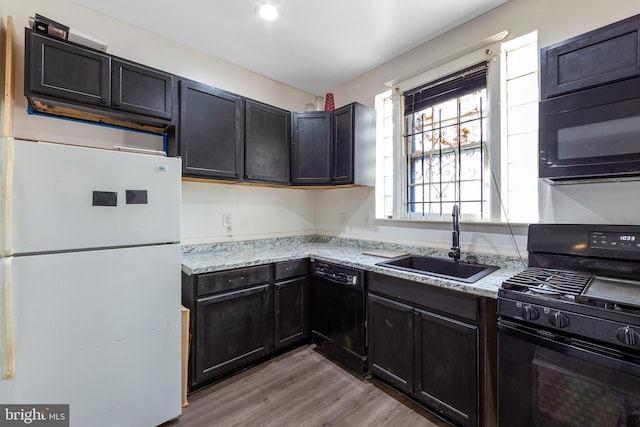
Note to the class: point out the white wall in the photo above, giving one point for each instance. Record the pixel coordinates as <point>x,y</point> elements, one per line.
<point>256,212</point>
<point>358,222</point>
<point>555,20</point>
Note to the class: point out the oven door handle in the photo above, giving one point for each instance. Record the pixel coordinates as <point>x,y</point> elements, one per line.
<point>574,347</point>
<point>514,328</point>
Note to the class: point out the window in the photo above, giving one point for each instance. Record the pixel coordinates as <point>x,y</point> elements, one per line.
<point>469,138</point>
<point>444,133</point>
<point>520,112</point>
<point>384,156</point>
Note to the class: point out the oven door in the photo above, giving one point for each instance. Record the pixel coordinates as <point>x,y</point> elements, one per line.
<point>592,134</point>
<point>553,382</point>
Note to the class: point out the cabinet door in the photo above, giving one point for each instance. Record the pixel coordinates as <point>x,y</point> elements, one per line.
<point>291,311</point>
<point>446,375</point>
<point>211,132</point>
<point>67,71</point>
<point>391,341</point>
<point>311,148</point>
<point>232,329</point>
<point>141,90</point>
<point>342,172</point>
<point>604,55</point>
<point>267,143</point>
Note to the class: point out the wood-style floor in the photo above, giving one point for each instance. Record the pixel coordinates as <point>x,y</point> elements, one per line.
<point>301,388</point>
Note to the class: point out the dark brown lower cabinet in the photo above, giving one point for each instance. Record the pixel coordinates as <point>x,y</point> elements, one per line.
<point>291,311</point>
<point>291,303</point>
<point>390,328</point>
<point>446,366</point>
<point>435,345</point>
<point>243,315</point>
<point>232,330</point>
<point>231,320</point>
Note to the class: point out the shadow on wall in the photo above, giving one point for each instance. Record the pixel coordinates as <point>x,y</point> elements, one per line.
<point>225,212</point>
<point>597,203</point>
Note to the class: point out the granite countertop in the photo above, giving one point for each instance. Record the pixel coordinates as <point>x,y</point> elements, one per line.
<point>207,258</point>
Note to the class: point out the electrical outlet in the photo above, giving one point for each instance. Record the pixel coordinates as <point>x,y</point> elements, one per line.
<point>226,220</point>
<point>342,217</point>
<point>367,220</point>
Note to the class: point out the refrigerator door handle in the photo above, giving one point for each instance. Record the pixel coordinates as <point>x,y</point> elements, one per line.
<point>6,169</point>
<point>8,355</point>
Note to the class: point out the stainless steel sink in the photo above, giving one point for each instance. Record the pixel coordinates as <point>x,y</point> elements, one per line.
<point>439,267</point>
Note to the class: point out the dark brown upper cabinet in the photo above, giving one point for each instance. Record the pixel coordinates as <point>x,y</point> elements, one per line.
<point>224,136</point>
<point>67,71</point>
<point>311,148</point>
<point>354,142</point>
<point>69,80</point>
<point>267,143</point>
<point>601,56</point>
<point>333,148</point>
<point>211,132</point>
<point>141,90</point>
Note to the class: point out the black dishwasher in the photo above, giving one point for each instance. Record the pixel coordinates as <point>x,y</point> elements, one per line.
<point>338,313</point>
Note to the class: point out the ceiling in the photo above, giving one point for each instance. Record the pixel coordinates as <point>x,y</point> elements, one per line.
<point>313,46</point>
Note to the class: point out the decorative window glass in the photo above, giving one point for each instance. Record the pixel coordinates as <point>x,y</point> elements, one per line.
<point>445,136</point>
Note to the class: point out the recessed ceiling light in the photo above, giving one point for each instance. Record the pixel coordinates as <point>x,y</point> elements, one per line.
<point>267,12</point>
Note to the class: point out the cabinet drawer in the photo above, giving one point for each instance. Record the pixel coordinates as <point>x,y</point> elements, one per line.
<point>231,279</point>
<point>441,300</point>
<point>287,269</point>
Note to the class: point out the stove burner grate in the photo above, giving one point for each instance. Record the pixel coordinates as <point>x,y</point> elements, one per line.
<point>549,281</point>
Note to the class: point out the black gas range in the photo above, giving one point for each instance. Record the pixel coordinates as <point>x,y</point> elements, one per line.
<point>569,329</point>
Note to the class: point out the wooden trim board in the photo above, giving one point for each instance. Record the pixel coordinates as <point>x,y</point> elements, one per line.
<point>7,122</point>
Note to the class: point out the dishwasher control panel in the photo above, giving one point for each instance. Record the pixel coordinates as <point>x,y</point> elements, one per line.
<point>337,273</point>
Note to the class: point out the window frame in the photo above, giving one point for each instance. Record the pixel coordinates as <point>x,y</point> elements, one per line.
<point>489,52</point>
<point>455,93</point>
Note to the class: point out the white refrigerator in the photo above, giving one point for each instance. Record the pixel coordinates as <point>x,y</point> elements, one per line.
<point>90,283</point>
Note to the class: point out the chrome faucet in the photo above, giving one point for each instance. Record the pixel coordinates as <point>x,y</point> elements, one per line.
<point>455,248</point>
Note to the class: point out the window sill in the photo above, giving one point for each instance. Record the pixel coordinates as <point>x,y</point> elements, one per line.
<point>510,228</point>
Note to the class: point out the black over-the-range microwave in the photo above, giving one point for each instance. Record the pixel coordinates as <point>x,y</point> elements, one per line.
<point>590,106</point>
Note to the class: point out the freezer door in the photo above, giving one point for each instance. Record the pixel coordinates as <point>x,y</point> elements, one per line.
<point>100,331</point>
<point>67,197</point>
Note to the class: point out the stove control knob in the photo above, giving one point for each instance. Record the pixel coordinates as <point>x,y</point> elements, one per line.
<point>628,336</point>
<point>529,312</point>
<point>558,319</point>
